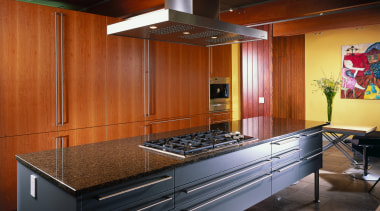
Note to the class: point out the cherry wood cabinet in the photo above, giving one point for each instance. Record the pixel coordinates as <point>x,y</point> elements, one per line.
<point>219,117</point>
<point>168,125</point>
<point>11,146</point>
<point>168,89</point>
<point>177,81</point>
<point>77,137</point>
<point>221,61</point>
<point>200,120</point>
<point>125,79</point>
<point>27,69</point>
<point>42,80</point>
<point>120,131</point>
<point>198,76</point>
<point>83,70</point>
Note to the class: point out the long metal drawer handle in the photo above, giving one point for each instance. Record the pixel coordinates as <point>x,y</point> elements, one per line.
<point>227,177</point>
<point>286,141</point>
<point>230,193</point>
<point>56,68</point>
<point>62,123</point>
<point>313,133</point>
<point>135,188</point>
<point>220,113</point>
<point>171,120</point>
<point>288,167</point>
<point>291,152</point>
<point>313,156</point>
<point>220,121</point>
<point>155,204</point>
<point>148,67</point>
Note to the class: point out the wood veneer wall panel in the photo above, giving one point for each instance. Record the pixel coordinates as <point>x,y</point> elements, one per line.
<point>289,77</point>
<point>257,76</point>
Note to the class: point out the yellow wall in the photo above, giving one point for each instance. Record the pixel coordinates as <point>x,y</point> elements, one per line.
<point>236,93</point>
<point>323,54</point>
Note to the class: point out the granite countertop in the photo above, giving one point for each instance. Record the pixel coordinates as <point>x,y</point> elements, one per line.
<point>89,167</point>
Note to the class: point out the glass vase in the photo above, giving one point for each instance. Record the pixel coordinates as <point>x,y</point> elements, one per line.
<point>330,97</point>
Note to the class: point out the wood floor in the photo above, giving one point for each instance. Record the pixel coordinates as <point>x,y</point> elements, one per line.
<point>338,190</point>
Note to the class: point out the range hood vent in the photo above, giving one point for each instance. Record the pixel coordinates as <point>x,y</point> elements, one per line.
<point>186,22</point>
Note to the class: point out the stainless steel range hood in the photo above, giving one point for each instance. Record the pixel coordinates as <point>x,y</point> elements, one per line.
<point>193,22</point>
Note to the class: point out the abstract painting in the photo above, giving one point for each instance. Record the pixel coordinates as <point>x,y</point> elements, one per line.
<point>361,71</point>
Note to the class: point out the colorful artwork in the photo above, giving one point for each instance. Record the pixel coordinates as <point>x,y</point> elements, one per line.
<point>361,71</point>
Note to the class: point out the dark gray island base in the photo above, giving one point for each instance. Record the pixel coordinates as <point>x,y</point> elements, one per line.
<point>119,175</point>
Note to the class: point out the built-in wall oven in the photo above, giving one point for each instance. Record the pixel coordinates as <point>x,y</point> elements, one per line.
<point>219,94</point>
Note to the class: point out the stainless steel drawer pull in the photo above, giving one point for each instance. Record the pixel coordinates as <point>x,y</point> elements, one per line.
<point>313,133</point>
<point>227,177</point>
<point>286,141</point>
<point>230,193</point>
<point>135,188</point>
<point>155,204</point>
<point>313,156</point>
<point>288,167</point>
<point>291,152</point>
<point>226,120</point>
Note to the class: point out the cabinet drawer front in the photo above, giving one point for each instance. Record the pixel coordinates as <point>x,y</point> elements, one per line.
<point>310,164</point>
<point>285,176</point>
<point>284,144</point>
<point>130,192</point>
<point>220,117</point>
<point>163,201</point>
<point>202,169</point>
<point>285,157</point>
<point>237,198</point>
<point>211,186</point>
<point>310,143</point>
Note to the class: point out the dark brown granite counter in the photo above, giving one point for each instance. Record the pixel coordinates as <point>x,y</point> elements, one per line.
<point>89,167</point>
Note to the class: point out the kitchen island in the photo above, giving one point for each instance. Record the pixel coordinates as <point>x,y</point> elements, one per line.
<point>120,175</point>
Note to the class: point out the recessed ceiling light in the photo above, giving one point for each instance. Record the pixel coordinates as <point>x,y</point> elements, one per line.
<point>214,37</point>
<point>186,32</point>
<point>231,10</point>
<point>153,27</point>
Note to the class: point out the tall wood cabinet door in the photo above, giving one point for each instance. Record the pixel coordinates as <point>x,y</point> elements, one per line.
<point>168,87</point>
<point>221,61</point>
<point>11,146</point>
<point>125,81</point>
<point>77,137</point>
<point>82,71</point>
<point>198,76</point>
<point>27,69</point>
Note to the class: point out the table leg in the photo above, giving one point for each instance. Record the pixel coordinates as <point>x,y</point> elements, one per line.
<point>365,160</point>
<point>338,142</point>
<point>366,176</point>
<point>316,186</point>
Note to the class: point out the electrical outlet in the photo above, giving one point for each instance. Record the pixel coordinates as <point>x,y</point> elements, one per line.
<point>261,100</point>
<point>33,183</point>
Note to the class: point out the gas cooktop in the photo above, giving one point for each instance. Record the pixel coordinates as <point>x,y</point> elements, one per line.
<point>196,143</point>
